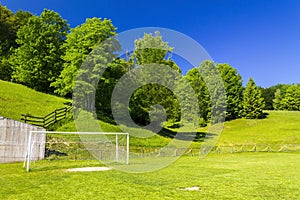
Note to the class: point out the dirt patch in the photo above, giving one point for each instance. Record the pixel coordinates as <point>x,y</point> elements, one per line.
<point>89,169</point>
<point>195,188</point>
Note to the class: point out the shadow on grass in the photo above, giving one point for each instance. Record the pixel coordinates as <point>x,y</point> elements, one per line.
<point>188,136</point>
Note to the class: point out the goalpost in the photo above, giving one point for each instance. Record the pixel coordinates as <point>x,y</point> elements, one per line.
<point>90,141</point>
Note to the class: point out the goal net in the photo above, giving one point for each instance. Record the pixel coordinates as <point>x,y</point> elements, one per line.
<point>106,147</point>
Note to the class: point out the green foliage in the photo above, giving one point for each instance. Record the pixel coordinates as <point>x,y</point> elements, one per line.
<point>106,86</point>
<point>291,99</point>
<point>268,94</point>
<point>216,91</point>
<point>196,80</point>
<point>253,101</point>
<point>7,30</point>
<point>234,91</point>
<point>79,43</point>
<point>287,97</point>
<point>9,25</point>
<point>150,51</point>
<point>273,96</point>
<point>37,61</point>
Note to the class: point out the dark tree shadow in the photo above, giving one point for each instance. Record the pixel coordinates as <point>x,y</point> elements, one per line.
<point>200,136</point>
<point>49,152</point>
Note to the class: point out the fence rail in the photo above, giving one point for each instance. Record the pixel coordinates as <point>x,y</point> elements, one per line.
<point>219,149</point>
<point>49,119</point>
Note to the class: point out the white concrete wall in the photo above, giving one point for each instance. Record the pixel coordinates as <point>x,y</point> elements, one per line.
<point>14,141</point>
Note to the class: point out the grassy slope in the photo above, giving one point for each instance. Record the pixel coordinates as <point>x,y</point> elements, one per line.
<point>277,128</point>
<point>280,127</point>
<point>229,176</point>
<point>17,99</point>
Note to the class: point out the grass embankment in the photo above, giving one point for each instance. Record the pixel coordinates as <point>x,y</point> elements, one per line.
<point>17,99</point>
<point>224,176</point>
<point>280,127</point>
<point>228,176</point>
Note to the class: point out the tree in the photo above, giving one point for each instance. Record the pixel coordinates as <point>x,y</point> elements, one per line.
<point>216,91</point>
<point>151,51</point>
<point>234,91</point>
<point>9,25</point>
<point>197,82</point>
<point>253,101</point>
<point>37,61</point>
<point>79,43</point>
<point>277,100</point>
<point>291,99</point>
<point>106,85</point>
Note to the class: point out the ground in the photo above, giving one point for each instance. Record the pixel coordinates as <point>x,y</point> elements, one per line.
<point>218,176</point>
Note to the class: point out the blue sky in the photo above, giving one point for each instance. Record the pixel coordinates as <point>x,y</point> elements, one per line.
<point>260,38</point>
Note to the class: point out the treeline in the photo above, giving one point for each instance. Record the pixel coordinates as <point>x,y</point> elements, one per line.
<point>44,53</point>
<point>282,97</point>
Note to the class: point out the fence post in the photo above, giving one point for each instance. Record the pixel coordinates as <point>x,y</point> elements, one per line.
<point>55,116</point>
<point>44,122</point>
<point>25,118</point>
<point>65,112</point>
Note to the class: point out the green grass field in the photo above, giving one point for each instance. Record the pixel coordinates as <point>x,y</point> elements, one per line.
<point>280,127</point>
<point>227,176</point>
<point>17,99</point>
<point>254,175</point>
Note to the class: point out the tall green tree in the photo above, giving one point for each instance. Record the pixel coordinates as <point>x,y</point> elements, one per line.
<point>268,94</point>
<point>149,50</point>
<point>106,85</point>
<point>198,84</point>
<point>79,43</point>
<point>7,30</point>
<point>291,99</point>
<point>9,25</point>
<point>253,101</point>
<point>277,99</point>
<point>216,91</point>
<point>37,61</point>
<point>279,95</point>
<point>234,90</point>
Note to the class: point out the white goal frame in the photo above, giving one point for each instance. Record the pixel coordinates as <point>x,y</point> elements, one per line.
<point>31,143</point>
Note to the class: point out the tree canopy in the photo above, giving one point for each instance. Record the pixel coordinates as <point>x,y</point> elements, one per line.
<point>253,101</point>
<point>37,61</point>
<point>79,43</point>
<point>42,52</point>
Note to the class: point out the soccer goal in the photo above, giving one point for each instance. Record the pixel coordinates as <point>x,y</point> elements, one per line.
<point>107,147</point>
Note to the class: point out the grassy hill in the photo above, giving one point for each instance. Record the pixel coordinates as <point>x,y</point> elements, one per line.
<point>227,176</point>
<point>17,99</point>
<point>280,127</point>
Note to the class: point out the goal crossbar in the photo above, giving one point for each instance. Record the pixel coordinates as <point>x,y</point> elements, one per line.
<point>31,143</point>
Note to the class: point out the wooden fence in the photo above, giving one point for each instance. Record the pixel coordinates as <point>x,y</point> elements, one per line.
<point>50,119</point>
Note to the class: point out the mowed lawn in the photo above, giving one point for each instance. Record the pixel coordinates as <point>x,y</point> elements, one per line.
<point>225,176</point>
<point>279,128</point>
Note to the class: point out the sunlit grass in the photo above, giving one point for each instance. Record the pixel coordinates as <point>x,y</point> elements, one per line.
<point>228,176</point>
<point>17,99</point>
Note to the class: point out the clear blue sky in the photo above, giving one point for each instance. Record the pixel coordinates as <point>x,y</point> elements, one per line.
<point>260,38</point>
